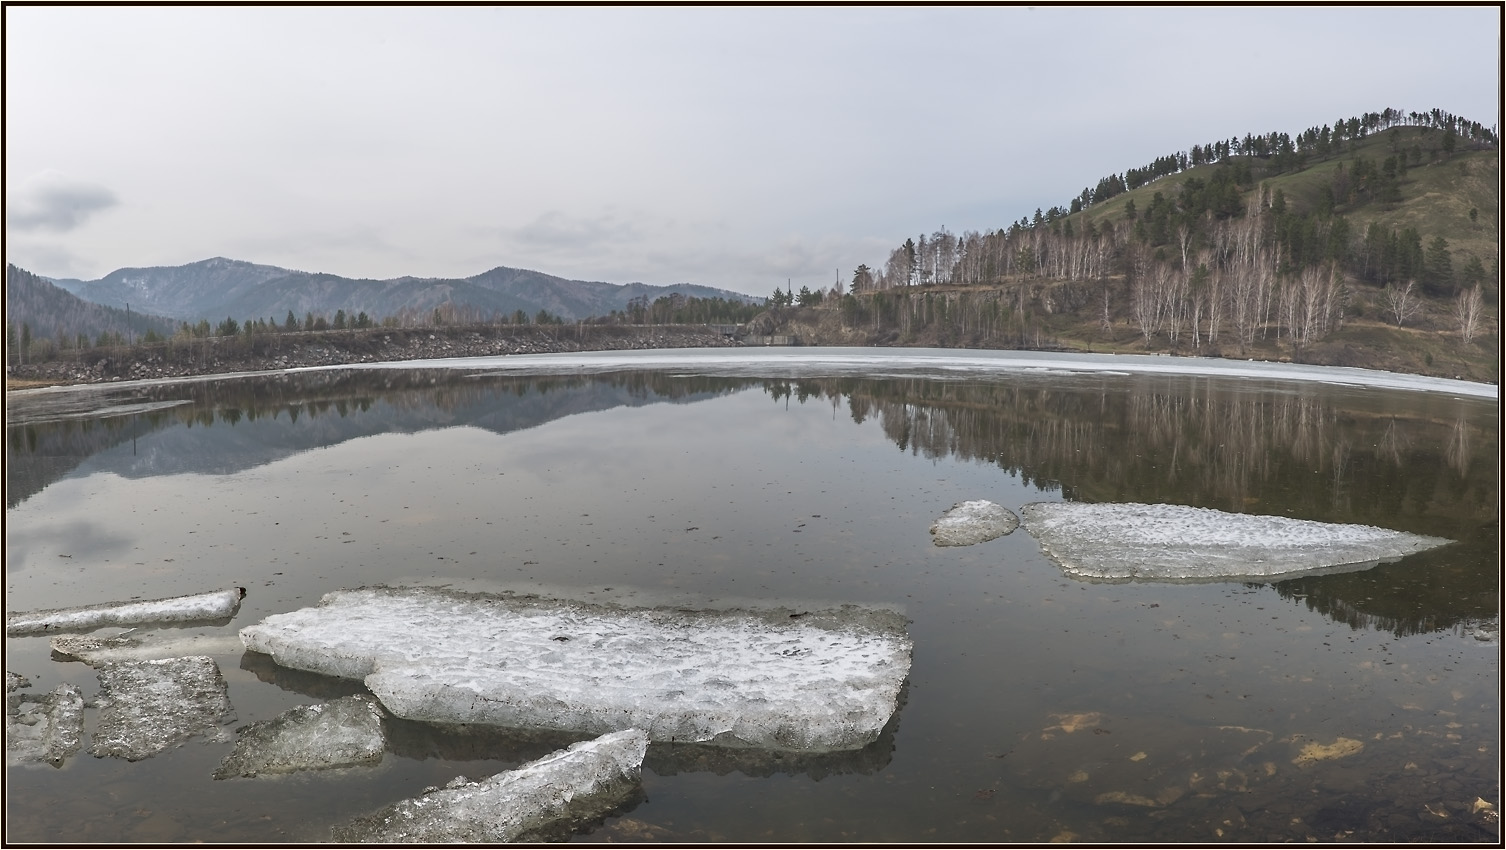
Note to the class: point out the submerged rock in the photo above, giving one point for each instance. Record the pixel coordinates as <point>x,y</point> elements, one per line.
<point>809,681</point>
<point>219,605</point>
<point>1178,543</point>
<point>147,706</point>
<point>547,798</point>
<point>47,728</point>
<point>972,522</point>
<point>1101,759</point>
<point>343,733</point>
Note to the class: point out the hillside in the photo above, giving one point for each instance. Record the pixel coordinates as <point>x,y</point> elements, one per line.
<point>44,317</point>
<point>218,288</point>
<point>1376,249</point>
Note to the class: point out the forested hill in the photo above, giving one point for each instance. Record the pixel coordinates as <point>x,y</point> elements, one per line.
<point>1305,247</point>
<point>37,310</point>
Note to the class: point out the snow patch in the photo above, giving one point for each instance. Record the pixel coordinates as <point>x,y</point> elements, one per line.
<point>547,798</point>
<point>777,679</point>
<point>1180,543</point>
<point>219,605</point>
<point>972,522</point>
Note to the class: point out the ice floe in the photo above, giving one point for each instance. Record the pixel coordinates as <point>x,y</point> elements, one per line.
<point>203,607</point>
<point>778,679</point>
<point>1180,543</point>
<point>151,646</point>
<point>344,733</point>
<point>972,522</point>
<point>544,799</point>
<point>147,706</point>
<point>42,728</point>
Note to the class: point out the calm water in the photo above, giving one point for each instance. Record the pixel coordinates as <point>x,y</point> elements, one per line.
<point>1038,707</point>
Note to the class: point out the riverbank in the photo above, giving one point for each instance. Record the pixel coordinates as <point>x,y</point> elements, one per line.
<point>224,355</point>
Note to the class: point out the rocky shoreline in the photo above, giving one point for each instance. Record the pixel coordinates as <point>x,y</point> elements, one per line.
<point>223,355</point>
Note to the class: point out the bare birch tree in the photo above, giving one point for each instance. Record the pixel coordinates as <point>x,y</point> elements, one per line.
<point>1402,302</point>
<point>1468,310</point>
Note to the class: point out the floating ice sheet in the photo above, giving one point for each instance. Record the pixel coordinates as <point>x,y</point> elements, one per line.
<point>147,706</point>
<point>219,605</point>
<point>543,799</point>
<point>343,733</point>
<point>784,680</point>
<point>972,522</point>
<point>769,362</point>
<point>1180,543</point>
<point>152,646</point>
<point>47,728</point>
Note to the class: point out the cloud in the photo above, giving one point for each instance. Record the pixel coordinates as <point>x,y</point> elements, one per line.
<point>47,258</point>
<point>557,230</point>
<point>55,201</point>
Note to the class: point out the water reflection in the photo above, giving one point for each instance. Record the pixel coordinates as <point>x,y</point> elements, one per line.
<point>817,489</point>
<point>227,426</point>
<point>1412,462</point>
<point>1312,452</point>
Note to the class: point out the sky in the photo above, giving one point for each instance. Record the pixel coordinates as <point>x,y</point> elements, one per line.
<point>739,148</point>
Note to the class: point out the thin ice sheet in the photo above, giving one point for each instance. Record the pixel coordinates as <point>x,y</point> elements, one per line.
<point>1127,542</point>
<point>43,728</point>
<point>783,680</point>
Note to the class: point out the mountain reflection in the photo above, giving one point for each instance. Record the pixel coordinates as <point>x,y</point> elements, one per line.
<point>230,425</point>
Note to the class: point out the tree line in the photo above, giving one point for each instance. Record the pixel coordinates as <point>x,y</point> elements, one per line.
<point>1216,255</point>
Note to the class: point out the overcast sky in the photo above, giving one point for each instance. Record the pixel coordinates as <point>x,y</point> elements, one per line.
<point>735,148</point>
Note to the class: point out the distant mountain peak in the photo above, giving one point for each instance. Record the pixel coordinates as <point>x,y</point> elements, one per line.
<point>219,287</point>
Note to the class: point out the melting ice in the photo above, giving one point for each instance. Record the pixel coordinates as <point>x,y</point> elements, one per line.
<point>152,646</point>
<point>147,706</point>
<point>972,522</point>
<point>219,605</point>
<point>1181,543</point>
<point>547,798</point>
<point>781,680</point>
<point>343,733</point>
<point>46,728</point>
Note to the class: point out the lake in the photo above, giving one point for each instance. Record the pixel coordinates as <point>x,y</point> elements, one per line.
<point>1362,705</point>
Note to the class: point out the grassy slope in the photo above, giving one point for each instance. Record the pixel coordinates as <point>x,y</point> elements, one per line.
<point>1437,195</point>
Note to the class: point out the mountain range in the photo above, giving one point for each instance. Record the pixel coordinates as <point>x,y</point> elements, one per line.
<point>221,288</point>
